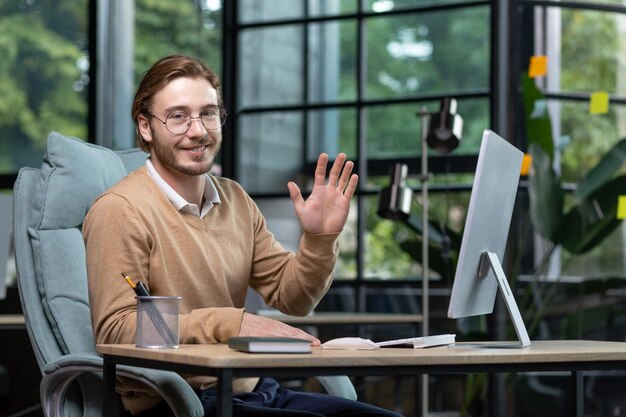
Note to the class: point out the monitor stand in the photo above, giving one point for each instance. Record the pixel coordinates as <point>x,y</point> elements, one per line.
<point>489,260</point>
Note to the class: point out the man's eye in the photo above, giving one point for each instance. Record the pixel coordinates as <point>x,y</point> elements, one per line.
<point>208,113</point>
<point>178,116</point>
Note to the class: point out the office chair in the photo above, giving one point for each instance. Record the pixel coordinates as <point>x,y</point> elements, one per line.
<point>49,206</point>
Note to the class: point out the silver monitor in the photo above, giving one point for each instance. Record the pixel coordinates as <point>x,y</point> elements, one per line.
<point>479,272</point>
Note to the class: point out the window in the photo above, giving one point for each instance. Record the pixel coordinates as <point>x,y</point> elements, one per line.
<point>44,78</point>
<point>351,76</point>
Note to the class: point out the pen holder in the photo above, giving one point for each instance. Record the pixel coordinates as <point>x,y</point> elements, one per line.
<point>157,321</point>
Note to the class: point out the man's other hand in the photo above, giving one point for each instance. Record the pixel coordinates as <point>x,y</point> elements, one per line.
<point>253,325</point>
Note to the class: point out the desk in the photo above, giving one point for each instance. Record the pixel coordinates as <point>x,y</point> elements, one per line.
<point>574,356</point>
<point>12,321</point>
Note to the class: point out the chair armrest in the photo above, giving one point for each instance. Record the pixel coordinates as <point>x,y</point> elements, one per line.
<point>58,376</point>
<point>339,386</point>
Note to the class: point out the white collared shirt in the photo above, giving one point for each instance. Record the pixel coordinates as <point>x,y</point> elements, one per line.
<point>209,199</point>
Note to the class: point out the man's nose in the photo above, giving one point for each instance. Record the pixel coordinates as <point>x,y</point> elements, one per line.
<point>196,128</point>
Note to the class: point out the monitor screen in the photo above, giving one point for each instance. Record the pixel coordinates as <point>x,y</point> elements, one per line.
<point>479,272</point>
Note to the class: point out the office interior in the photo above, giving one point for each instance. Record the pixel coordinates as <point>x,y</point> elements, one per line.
<point>365,77</point>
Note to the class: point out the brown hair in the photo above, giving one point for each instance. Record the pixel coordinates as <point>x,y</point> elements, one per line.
<point>159,75</point>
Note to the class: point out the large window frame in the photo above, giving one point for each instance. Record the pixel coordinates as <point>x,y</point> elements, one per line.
<point>498,93</point>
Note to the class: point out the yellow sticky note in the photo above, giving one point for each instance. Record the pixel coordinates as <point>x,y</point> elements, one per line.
<point>599,103</point>
<point>538,66</point>
<point>621,207</point>
<point>526,163</point>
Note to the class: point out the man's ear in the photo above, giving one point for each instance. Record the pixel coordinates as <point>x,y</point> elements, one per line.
<point>143,124</point>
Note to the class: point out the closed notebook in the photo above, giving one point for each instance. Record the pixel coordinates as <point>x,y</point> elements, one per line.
<point>270,344</point>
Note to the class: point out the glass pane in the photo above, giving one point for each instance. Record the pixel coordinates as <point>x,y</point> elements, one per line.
<point>255,11</point>
<point>182,27</point>
<point>596,39</point>
<point>332,62</point>
<point>346,263</point>
<point>413,54</point>
<point>271,151</point>
<point>600,2</point>
<point>585,138</point>
<point>271,66</point>
<point>331,131</point>
<point>380,6</point>
<point>394,131</point>
<point>43,77</point>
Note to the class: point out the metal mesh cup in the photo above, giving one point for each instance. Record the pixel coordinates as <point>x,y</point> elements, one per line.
<point>157,322</point>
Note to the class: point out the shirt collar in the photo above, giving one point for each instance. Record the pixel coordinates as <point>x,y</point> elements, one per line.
<point>210,196</point>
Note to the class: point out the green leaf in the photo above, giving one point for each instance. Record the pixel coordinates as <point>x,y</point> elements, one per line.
<point>591,221</point>
<point>538,126</point>
<point>611,163</point>
<point>545,194</point>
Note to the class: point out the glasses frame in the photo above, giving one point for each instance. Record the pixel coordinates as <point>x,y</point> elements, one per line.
<point>222,116</point>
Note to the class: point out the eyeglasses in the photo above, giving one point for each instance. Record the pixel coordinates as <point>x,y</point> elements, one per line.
<point>179,122</point>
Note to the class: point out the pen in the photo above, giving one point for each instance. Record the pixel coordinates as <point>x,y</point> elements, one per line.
<point>138,286</point>
<point>154,314</point>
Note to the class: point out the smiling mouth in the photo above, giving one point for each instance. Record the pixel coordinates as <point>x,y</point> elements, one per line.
<point>197,148</point>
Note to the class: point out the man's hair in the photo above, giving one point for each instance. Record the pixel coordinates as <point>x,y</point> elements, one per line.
<point>159,75</point>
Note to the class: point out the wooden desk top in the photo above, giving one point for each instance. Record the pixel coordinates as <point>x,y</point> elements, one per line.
<point>8,320</point>
<point>220,356</point>
<point>346,318</point>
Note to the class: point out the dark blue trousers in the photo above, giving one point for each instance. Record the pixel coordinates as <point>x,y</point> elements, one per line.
<point>269,399</point>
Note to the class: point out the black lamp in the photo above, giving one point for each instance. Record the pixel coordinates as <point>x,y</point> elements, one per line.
<point>445,127</point>
<point>395,200</point>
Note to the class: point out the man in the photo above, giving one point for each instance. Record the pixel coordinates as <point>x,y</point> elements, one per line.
<point>183,232</point>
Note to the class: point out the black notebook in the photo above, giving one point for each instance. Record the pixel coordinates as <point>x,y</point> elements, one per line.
<point>270,344</point>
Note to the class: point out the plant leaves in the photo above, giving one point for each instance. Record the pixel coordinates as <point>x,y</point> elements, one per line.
<point>538,126</point>
<point>611,163</point>
<point>545,194</point>
<point>591,221</point>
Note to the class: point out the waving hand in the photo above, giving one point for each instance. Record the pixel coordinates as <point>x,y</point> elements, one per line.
<point>326,209</point>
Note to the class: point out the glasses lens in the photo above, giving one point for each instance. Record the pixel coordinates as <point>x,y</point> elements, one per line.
<point>177,123</point>
<point>211,121</point>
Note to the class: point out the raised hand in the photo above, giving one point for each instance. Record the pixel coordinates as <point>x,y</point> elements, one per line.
<point>326,209</point>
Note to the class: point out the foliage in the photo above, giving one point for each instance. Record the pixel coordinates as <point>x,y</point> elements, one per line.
<point>593,216</point>
<point>44,72</point>
<point>42,44</point>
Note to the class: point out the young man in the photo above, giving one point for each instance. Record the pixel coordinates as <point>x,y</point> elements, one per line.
<point>184,232</point>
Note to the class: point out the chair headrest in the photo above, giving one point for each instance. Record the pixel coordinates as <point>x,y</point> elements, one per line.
<point>73,174</point>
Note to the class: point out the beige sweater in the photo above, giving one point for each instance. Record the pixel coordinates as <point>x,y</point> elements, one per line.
<point>209,262</point>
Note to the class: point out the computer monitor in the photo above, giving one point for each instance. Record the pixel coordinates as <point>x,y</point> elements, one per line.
<point>479,271</point>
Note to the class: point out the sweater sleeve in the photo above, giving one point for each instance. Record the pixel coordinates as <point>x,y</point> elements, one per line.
<point>293,282</point>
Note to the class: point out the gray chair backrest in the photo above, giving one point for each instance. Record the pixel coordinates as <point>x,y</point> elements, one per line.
<point>49,207</point>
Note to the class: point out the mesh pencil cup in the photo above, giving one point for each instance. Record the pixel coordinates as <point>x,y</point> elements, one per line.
<point>157,321</point>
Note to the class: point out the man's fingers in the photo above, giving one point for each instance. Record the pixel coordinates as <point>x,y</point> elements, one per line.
<point>320,170</point>
<point>349,192</point>
<point>296,195</point>
<point>333,176</point>
<point>345,175</point>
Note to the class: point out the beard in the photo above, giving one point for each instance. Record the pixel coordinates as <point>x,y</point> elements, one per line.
<point>168,157</point>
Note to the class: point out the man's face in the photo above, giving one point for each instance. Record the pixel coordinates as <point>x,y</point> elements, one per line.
<point>193,152</point>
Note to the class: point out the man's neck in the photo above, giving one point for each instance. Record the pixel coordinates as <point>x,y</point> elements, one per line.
<point>189,187</point>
